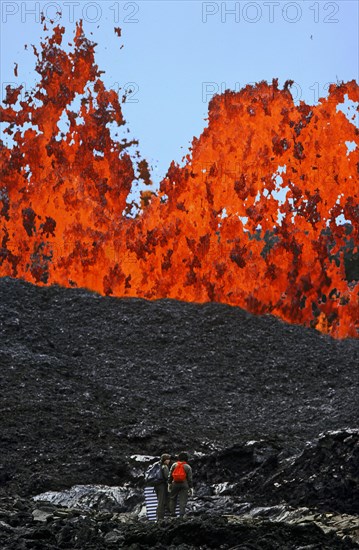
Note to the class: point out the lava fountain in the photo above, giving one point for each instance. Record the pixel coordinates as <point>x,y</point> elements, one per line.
<point>254,217</point>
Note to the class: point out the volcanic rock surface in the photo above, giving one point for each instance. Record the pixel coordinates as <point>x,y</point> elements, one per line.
<point>91,386</point>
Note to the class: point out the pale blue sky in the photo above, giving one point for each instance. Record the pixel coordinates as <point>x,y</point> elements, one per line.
<point>178,53</point>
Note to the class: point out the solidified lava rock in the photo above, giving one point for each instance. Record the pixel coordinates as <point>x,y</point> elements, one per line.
<point>325,475</point>
<point>26,528</point>
<point>88,381</point>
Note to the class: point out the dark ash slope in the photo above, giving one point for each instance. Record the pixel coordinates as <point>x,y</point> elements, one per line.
<point>88,381</point>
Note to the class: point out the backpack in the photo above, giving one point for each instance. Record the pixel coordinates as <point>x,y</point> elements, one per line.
<point>153,474</point>
<point>179,473</point>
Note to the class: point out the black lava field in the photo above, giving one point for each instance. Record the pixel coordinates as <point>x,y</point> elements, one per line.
<point>89,384</point>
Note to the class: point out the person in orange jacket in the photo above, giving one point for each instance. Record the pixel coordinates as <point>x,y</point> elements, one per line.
<point>180,484</point>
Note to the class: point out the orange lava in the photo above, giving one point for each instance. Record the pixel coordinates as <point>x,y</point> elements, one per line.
<point>251,219</point>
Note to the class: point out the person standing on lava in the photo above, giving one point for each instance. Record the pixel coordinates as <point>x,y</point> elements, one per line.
<point>161,488</point>
<point>180,484</point>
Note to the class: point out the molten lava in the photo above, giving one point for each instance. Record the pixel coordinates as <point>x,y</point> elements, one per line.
<point>252,219</point>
